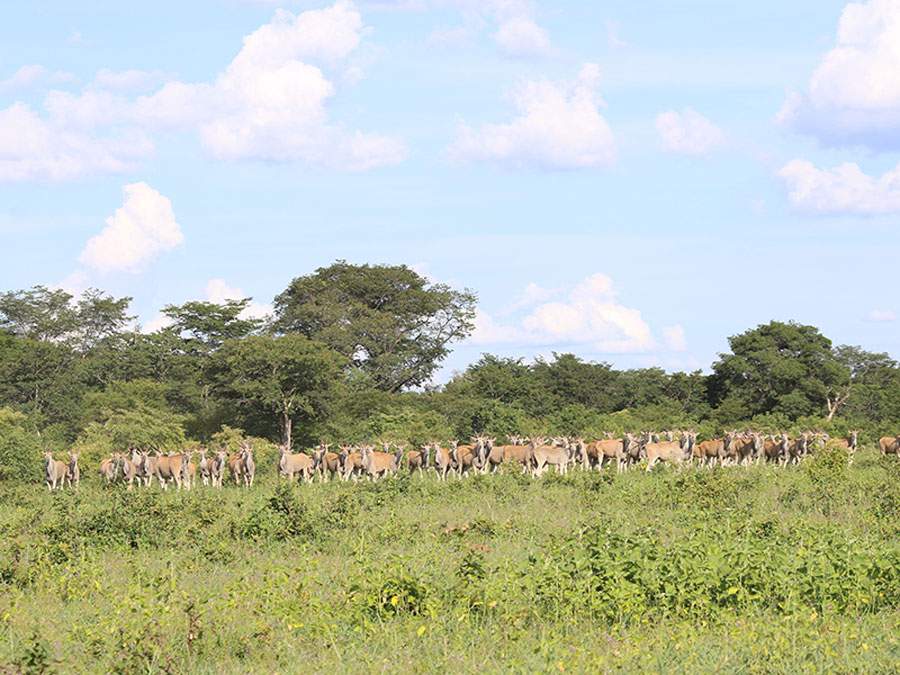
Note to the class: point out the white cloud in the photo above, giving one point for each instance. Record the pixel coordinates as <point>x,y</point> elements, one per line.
<point>853,96</point>
<point>674,338</point>
<point>32,148</point>
<point>559,127</point>
<point>127,80</point>
<point>270,103</point>
<point>532,295</point>
<point>591,316</point>
<point>521,36</point>
<point>882,315</point>
<point>688,132</point>
<point>33,74</point>
<point>219,292</point>
<point>141,229</point>
<point>158,322</point>
<point>843,189</point>
<point>612,35</point>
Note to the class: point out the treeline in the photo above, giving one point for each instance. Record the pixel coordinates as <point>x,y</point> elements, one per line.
<point>347,355</point>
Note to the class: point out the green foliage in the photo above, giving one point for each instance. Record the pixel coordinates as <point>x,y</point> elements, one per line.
<point>20,448</point>
<point>387,321</point>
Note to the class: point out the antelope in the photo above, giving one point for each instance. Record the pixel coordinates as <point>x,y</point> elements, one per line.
<point>109,467</point>
<point>890,446</point>
<point>443,461</point>
<point>798,449</point>
<point>217,468</point>
<point>603,452</point>
<point>558,454</point>
<point>707,452</point>
<point>188,471</point>
<point>169,467</point>
<point>519,451</point>
<point>350,463</point>
<point>291,464</point>
<point>73,473</point>
<point>463,457</point>
<point>205,466</point>
<point>131,470</point>
<point>327,464</point>
<point>248,465</point>
<point>775,448</point>
<point>675,452</point>
<point>54,472</point>
<point>494,456</point>
<point>147,466</point>
<point>236,467</point>
<point>849,443</point>
<point>418,460</point>
<point>633,449</point>
<point>378,464</point>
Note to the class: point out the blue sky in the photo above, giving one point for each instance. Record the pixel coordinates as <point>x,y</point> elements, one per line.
<point>632,182</point>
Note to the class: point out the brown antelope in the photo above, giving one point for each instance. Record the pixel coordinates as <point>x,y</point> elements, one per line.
<point>558,454</point>
<point>109,467</point>
<point>248,465</point>
<point>443,461</point>
<point>147,467</point>
<point>519,451</point>
<point>169,468</point>
<point>463,458</point>
<point>236,467</point>
<point>775,448</point>
<point>327,464</point>
<point>204,464</point>
<point>73,473</point>
<point>418,460</point>
<point>601,453</point>
<point>350,463</point>
<point>710,451</point>
<point>494,456</point>
<point>889,446</point>
<point>217,468</point>
<point>188,471</point>
<point>849,444</point>
<point>54,472</point>
<point>798,449</point>
<point>130,468</point>
<point>378,464</point>
<point>674,452</point>
<point>291,464</point>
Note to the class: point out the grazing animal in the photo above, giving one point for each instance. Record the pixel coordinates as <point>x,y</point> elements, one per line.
<point>418,460</point>
<point>775,448</point>
<point>217,468</point>
<point>130,468</point>
<point>169,468</point>
<point>109,467</point>
<point>291,464</point>
<point>600,453</point>
<point>463,457</point>
<point>327,464</point>
<point>519,451</point>
<point>890,446</point>
<point>205,466</point>
<point>351,463</point>
<point>709,452</point>
<point>248,465</point>
<point>674,452</point>
<point>235,467</point>
<point>850,443</point>
<point>148,467</point>
<point>494,456</point>
<point>558,454</point>
<point>73,473</point>
<point>443,461</point>
<point>188,471</point>
<point>378,464</point>
<point>54,472</point>
<point>798,449</point>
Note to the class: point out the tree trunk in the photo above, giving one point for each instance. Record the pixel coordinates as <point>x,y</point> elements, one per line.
<point>287,425</point>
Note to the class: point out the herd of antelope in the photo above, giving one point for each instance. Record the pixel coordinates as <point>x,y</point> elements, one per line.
<point>480,455</point>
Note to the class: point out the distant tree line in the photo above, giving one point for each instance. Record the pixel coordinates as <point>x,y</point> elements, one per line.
<point>347,355</point>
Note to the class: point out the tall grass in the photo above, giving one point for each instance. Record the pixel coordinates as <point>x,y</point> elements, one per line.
<point>745,570</point>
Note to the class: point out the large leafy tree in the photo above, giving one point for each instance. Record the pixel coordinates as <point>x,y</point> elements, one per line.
<point>287,380</point>
<point>387,321</point>
<point>777,367</point>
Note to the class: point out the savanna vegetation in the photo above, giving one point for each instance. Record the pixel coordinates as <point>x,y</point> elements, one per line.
<point>742,569</point>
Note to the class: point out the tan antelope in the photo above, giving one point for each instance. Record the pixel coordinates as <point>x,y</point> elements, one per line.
<point>236,467</point>
<point>889,445</point>
<point>188,471</point>
<point>849,444</point>
<point>673,452</point>
<point>204,465</point>
<point>217,468</point>
<point>73,473</point>
<point>130,468</point>
<point>418,460</point>
<point>494,456</point>
<point>248,464</point>
<point>54,472</point>
<point>710,451</point>
<point>327,464</point>
<point>147,467</point>
<point>463,458</point>
<point>443,461</point>
<point>775,448</point>
<point>378,464</point>
<point>109,468</point>
<point>169,468</point>
<point>289,465</point>
<point>557,454</point>
<point>519,451</point>
<point>798,449</point>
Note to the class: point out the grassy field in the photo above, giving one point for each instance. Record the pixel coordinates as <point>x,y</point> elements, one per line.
<point>763,569</point>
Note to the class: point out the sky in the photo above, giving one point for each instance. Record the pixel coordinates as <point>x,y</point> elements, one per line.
<point>629,182</point>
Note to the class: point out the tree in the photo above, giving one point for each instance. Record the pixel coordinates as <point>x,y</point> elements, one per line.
<point>206,325</point>
<point>290,378</point>
<point>777,367</point>
<point>387,321</point>
<point>20,447</point>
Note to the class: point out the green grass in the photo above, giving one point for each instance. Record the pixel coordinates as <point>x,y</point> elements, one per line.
<point>737,570</point>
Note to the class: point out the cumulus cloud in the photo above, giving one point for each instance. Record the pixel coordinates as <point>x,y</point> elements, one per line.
<point>34,74</point>
<point>559,127</point>
<point>220,292</point>
<point>590,315</point>
<point>853,96</point>
<point>34,148</point>
<point>270,103</point>
<point>139,231</point>
<point>843,189</point>
<point>688,132</point>
<point>521,36</point>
